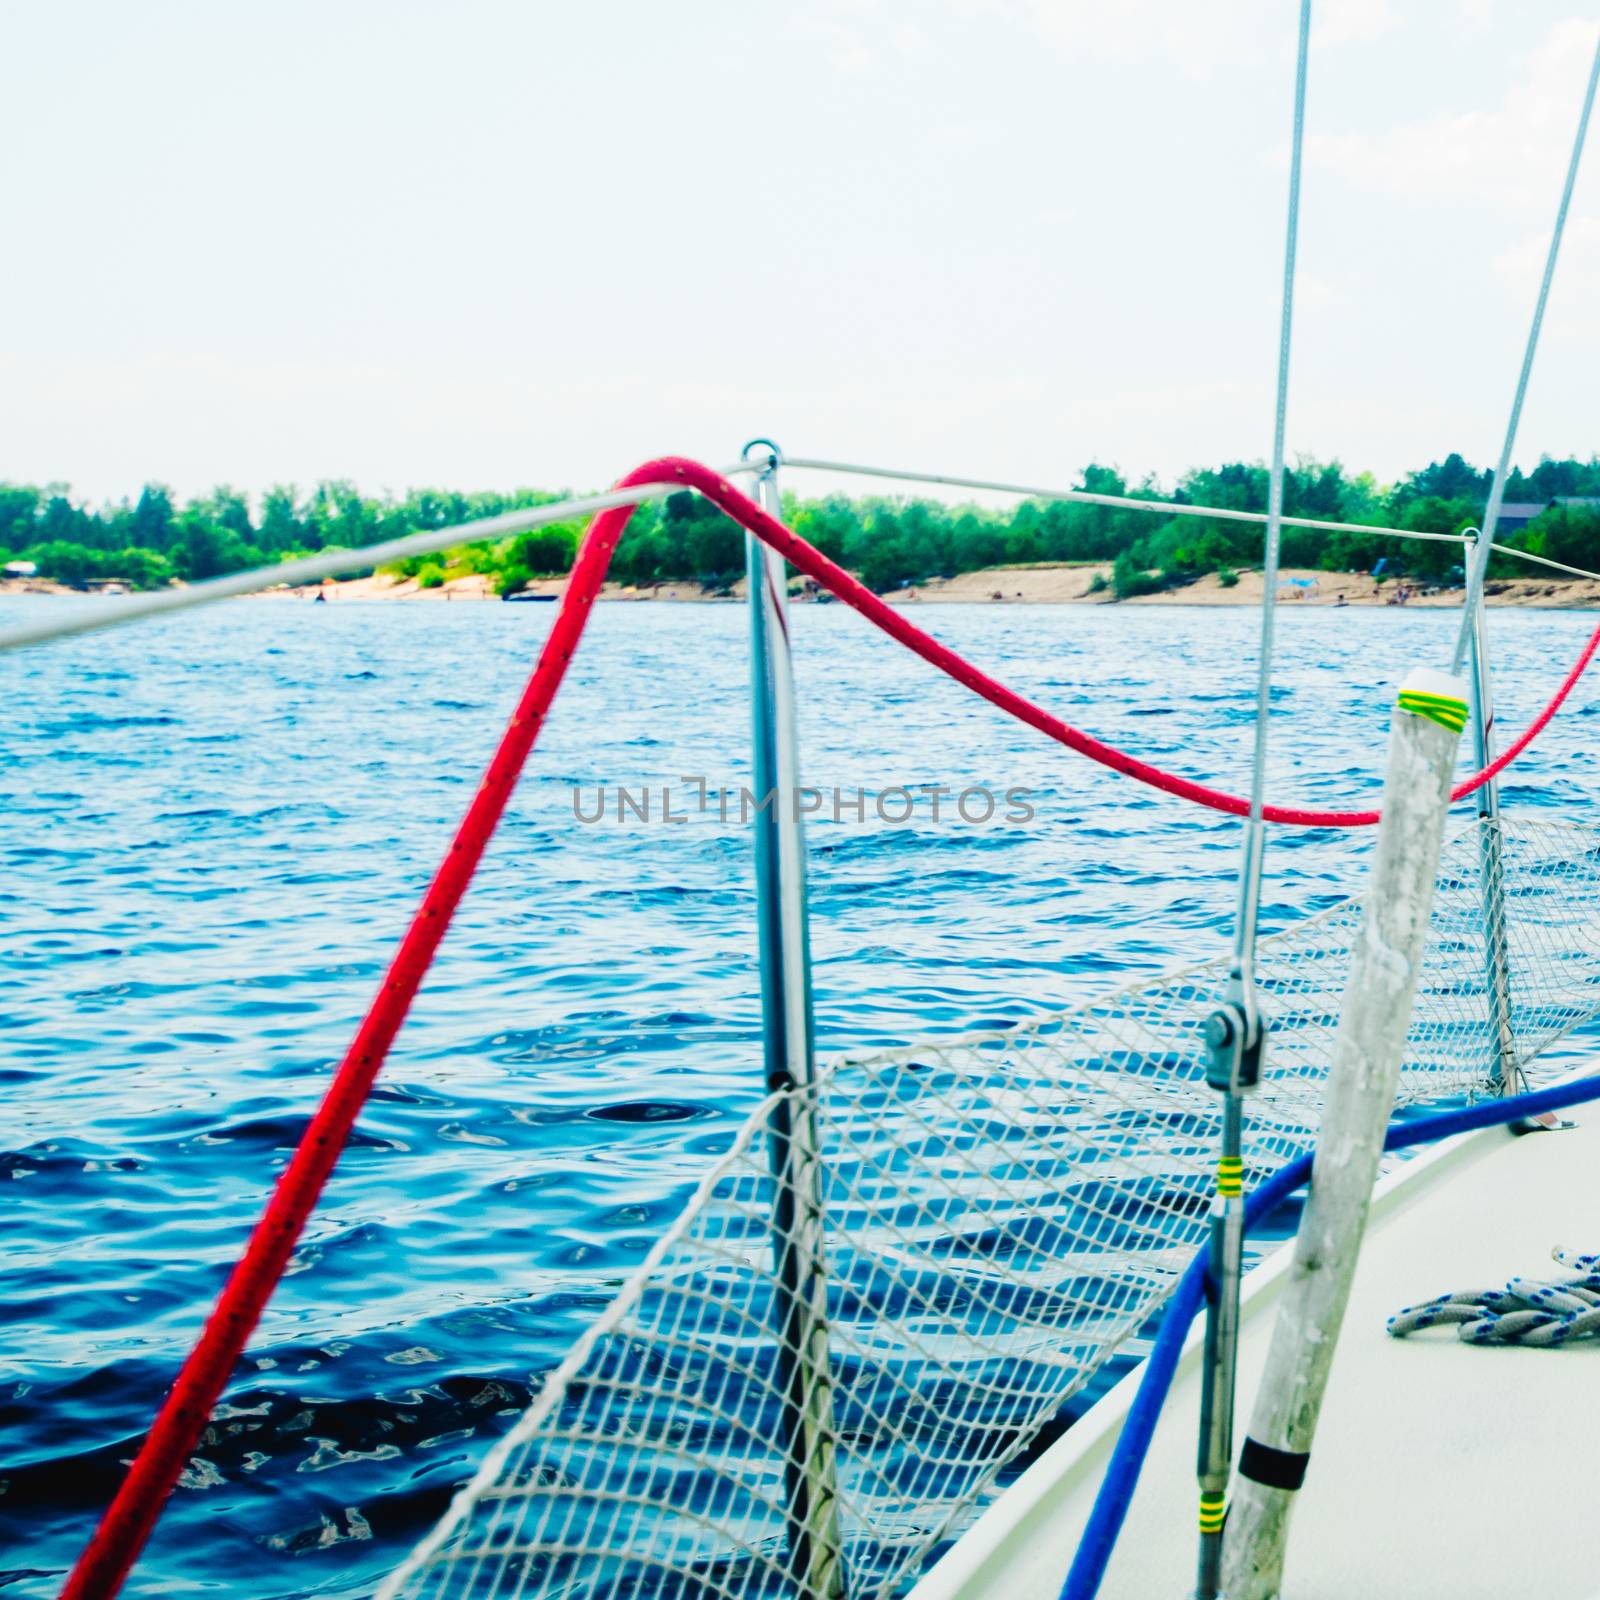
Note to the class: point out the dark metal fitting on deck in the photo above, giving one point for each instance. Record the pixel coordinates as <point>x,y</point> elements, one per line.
<point>1234,1040</point>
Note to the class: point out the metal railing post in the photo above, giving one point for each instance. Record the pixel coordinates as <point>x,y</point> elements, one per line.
<point>1504,1070</point>
<point>804,1380</point>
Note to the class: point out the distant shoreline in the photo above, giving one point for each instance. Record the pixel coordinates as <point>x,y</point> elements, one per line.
<point>1040,584</point>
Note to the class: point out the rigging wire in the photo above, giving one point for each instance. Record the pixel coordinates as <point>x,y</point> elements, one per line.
<point>1115,502</point>
<point>1250,874</point>
<point>329,564</point>
<point>1491,515</point>
<point>1235,1032</point>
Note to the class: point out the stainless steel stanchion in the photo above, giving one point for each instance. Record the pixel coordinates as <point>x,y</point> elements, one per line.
<point>801,1304</point>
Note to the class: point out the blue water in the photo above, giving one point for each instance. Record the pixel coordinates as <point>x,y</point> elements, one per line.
<point>216,828</point>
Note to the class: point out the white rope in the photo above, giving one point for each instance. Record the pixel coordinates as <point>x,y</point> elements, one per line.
<point>1162,507</point>
<point>1491,516</point>
<point>1117,502</point>
<point>329,564</point>
<point>1527,1311</point>
<point>1545,561</point>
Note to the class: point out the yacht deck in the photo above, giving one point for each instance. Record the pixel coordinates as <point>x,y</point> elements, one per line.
<point>1440,1468</point>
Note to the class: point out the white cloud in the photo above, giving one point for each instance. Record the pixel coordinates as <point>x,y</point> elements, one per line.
<point>1574,314</point>
<point>1197,40</point>
<point>844,34</point>
<point>1506,158</point>
<point>1318,292</point>
<point>1194,39</point>
<point>1336,22</point>
<point>857,36</point>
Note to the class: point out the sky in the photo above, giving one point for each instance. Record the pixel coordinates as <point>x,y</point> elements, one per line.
<point>525,242</point>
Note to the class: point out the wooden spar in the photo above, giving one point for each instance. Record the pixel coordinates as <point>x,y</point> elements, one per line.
<point>1368,1049</point>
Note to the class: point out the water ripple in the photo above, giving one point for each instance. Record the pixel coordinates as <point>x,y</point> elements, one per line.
<point>216,829</point>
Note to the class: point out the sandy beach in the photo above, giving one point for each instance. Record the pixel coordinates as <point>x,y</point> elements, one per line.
<point>1031,585</point>
<point>1299,586</point>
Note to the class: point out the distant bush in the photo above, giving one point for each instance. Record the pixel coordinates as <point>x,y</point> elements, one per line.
<point>431,576</point>
<point>68,562</point>
<point>887,540</point>
<point>1227,577</point>
<point>1129,578</point>
<point>543,552</point>
<point>473,559</point>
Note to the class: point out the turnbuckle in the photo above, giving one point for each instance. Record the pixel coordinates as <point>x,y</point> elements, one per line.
<point>1234,1039</point>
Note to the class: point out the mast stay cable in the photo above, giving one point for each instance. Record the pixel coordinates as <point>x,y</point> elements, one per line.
<point>1235,1034</point>
<point>1491,515</point>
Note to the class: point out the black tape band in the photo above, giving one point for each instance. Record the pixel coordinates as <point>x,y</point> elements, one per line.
<point>1277,1469</point>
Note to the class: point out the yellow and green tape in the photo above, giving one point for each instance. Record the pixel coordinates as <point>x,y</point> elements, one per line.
<point>1448,713</point>
<point>1437,696</point>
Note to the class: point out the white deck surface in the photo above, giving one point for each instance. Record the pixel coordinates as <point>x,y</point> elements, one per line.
<point>1440,1469</point>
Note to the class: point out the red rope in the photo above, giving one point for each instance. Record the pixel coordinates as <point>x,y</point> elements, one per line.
<point>1534,728</point>
<point>127,1523</point>
<point>804,558</point>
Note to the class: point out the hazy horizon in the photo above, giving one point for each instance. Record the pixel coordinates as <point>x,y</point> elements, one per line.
<point>503,245</point>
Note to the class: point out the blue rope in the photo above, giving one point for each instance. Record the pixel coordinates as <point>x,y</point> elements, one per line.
<point>1133,1443</point>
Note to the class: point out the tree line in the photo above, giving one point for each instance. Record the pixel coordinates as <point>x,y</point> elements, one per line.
<point>889,541</point>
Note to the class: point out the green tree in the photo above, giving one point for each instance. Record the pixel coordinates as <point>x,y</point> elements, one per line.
<point>204,549</point>
<point>150,525</point>
<point>704,543</point>
<point>1569,534</point>
<point>544,552</point>
<point>140,568</point>
<point>66,561</point>
<point>283,529</point>
<point>19,515</point>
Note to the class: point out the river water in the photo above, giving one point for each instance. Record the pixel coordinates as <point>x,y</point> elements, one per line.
<point>215,829</point>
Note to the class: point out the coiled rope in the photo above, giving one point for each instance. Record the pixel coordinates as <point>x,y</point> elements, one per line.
<point>1526,1311</point>
<point>203,1376</point>
<point>1121,1478</point>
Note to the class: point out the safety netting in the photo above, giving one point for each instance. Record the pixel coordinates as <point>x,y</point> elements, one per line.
<point>994,1217</point>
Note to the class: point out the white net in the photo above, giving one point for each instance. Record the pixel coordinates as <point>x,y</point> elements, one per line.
<point>998,1215</point>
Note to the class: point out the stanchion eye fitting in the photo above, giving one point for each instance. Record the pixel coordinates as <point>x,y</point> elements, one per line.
<point>1233,1050</point>
<point>763,447</point>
